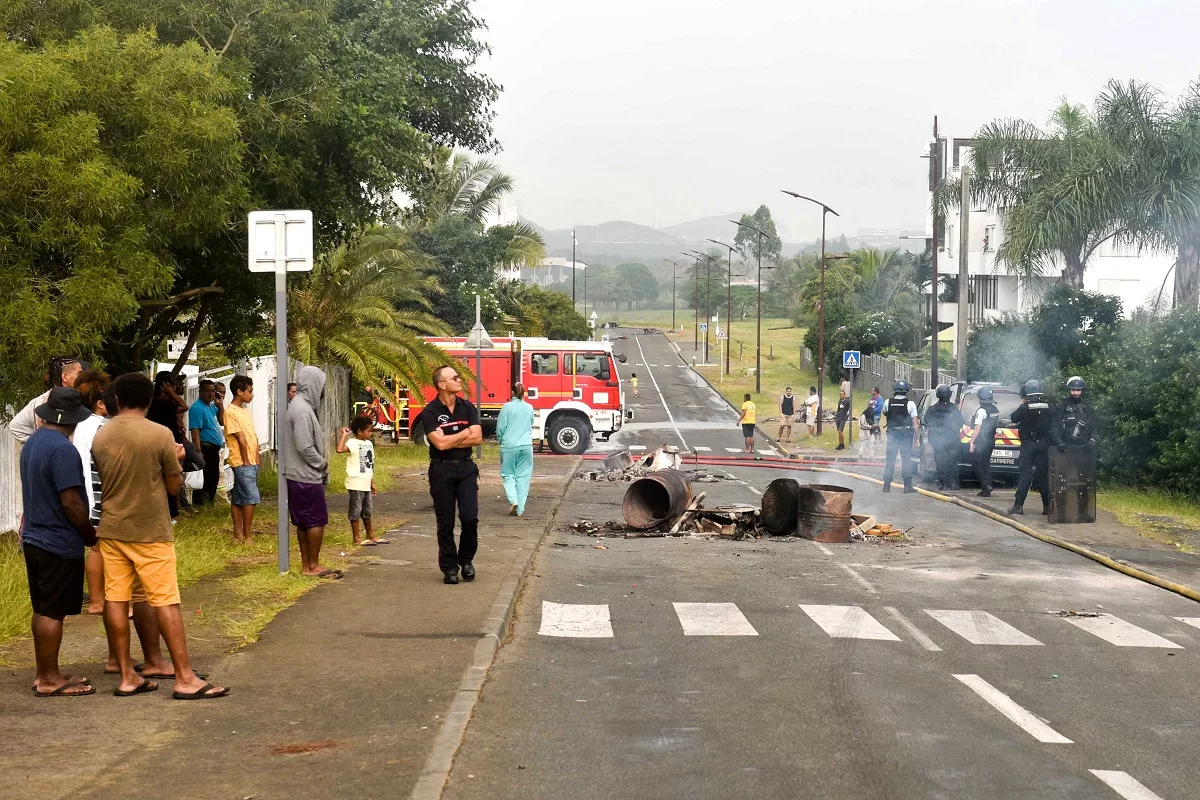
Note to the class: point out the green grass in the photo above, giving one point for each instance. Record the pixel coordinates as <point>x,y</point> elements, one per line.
<point>1156,515</point>
<point>15,612</point>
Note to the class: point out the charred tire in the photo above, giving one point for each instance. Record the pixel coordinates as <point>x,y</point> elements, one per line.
<point>570,436</point>
<point>418,435</point>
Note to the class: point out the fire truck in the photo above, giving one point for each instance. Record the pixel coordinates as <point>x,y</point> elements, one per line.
<point>573,387</point>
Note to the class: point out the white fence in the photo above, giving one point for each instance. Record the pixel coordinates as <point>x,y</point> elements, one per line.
<point>334,413</point>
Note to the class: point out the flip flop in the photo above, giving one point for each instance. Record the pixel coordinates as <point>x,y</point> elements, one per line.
<point>142,688</point>
<point>67,678</point>
<point>336,574</point>
<point>382,541</point>
<point>164,677</point>
<point>200,694</point>
<point>62,690</point>
<point>368,543</point>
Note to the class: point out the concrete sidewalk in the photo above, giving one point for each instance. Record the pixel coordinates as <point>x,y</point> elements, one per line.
<point>345,695</point>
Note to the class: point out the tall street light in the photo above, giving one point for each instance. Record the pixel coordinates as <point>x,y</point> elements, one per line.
<point>674,277</point>
<point>728,300</point>
<point>696,284</point>
<point>758,335</point>
<point>707,298</point>
<point>821,321</point>
<point>572,267</point>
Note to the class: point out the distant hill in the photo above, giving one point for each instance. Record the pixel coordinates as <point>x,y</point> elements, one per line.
<point>715,227</point>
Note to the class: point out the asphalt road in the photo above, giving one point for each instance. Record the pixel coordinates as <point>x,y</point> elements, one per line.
<point>938,668</point>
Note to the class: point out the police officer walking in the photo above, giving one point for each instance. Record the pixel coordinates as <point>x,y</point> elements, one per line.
<point>1032,419</point>
<point>945,423</point>
<point>902,425</point>
<point>983,439</point>
<point>452,425</point>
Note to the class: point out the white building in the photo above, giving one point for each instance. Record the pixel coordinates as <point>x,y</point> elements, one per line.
<point>1133,277</point>
<point>549,271</point>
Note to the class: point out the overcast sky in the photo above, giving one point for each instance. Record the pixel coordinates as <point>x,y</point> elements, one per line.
<point>660,111</point>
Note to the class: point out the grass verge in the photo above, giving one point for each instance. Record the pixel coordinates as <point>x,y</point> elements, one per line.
<point>1161,516</point>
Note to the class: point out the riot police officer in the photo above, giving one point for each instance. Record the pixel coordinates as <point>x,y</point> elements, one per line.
<point>1032,419</point>
<point>1072,465</point>
<point>1072,423</point>
<point>944,422</point>
<point>983,439</point>
<point>902,425</point>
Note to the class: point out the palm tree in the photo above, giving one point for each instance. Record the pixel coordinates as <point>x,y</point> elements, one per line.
<point>1057,186</point>
<point>1159,175</point>
<point>365,306</point>
<point>460,186</point>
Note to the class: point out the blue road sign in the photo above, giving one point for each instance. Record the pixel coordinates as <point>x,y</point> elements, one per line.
<point>851,359</point>
<point>703,327</point>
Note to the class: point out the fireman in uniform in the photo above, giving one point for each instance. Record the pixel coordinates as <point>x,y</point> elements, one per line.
<point>1032,419</point>
<point>944,422</point>
<point>1073,422</point>
<point>983,439</point>
<point>902,425</point>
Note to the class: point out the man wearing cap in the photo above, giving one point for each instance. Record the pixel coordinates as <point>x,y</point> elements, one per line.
<point>54,529</point>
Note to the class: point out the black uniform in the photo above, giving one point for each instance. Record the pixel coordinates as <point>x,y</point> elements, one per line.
<point>984,444</point>
<point>1073,424</point>
<point>453,478</point>
<point>1032,419</point>
<point>899,440</point>
<point>945,422</point>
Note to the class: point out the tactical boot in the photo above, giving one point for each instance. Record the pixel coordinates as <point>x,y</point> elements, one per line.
<point>1016,510</point>
<point>908,487</point>
<point>887,487</point>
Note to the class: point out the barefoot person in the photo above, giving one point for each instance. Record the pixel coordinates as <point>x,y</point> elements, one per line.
<point>54,530</point>
<point>138,462</point>
<point>747,420</point>
<point>360,479</point>
<point>514,429</point>
<point>453,428</point>
<point>242,441</point>
<point>307,471</point>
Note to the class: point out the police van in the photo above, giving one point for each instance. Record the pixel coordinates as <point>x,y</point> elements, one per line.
<point>966,397</point>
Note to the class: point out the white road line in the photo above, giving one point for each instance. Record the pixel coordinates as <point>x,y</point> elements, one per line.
<point>848,622</point>
<point>662,399</point>
<point>1005,705</point>
<point>735,449</point>
<point>1124,784</point>
<point>767,451</point>
<point>652,365</point>
<point>701,449</point>
<point>863,582</point>
<point>823,549</point>
<point>913,630</point>
<point>637,447</point>
<point>1193,621</point>
<point>713,619</point>
<point>575,620</point>
<point>756,491</point>
<point>980,627</point>
<point>1121,633</point>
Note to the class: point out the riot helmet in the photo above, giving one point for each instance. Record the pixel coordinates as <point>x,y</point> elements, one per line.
<point>1075,384</point>
<point>900,387</point>
<point>985,395</point>
<point>1032,387</point>
<point>942,392</point>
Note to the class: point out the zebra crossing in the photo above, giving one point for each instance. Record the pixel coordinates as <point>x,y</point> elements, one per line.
<point>973,626</point>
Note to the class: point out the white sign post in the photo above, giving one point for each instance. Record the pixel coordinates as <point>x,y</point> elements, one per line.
<point>852,362</point>
<point>281,242</point>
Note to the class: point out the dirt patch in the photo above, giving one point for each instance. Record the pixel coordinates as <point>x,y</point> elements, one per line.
<point>305,748</point>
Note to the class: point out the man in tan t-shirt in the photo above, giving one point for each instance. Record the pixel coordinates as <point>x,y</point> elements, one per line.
<point>138,462</point>
<point>243,458</point>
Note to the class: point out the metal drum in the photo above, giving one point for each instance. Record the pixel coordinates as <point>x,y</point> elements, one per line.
<point>656,498</point>
<point>779,506</point>
<point>823,512</point>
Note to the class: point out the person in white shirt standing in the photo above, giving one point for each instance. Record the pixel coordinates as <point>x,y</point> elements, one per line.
<point>812,407</point>
<point>360,479</point>
<point>62,372</point>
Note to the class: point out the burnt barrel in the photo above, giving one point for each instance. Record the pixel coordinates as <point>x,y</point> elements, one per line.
<point>656,498</point>
<point>779,506</point>
<point>823,512</point>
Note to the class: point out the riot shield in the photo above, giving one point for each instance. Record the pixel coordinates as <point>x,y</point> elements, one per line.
<point>1073,484</point>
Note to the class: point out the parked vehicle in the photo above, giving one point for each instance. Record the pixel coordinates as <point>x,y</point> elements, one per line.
<point>574,388</point>
<point>966,397</point>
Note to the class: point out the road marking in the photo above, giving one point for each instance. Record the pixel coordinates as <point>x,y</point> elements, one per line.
<point>980,627</point>
<point>700,449</point>
<point>767,451</point>
<point>652,365</point>
<point>1193,621</point>
<point>1124,784</point>
<point>735,450</point>
<point>913,630</point>
<point>1121,633</point>
<point>637,447</point>
<point>863,582</point>
<point>756,491</point>
<point>662,399</point>
<point>575,620</point>
<point>848,622</point>
<point>1005,705</point>
<point>713,619</point>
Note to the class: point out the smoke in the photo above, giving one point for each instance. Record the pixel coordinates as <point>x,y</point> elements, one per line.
<point>1006,351</point>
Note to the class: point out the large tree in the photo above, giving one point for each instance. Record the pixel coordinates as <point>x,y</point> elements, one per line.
<point>752,245</point>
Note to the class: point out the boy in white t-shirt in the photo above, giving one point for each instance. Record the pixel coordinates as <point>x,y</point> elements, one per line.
<point>360,478</point>
<point>812,407</point>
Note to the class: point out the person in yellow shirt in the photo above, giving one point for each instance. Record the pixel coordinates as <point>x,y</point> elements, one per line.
<point>747,420</point>
<point>242,441</point>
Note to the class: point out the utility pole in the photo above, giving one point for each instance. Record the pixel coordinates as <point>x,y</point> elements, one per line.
<point>696,288</point>
<point>572,267</point>
<point>935,181</point>
<point>964,297</point>
<point>728,299</point>
<point>674,278</point>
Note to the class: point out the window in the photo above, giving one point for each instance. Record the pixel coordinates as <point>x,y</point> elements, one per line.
<point>989,238</point>
<point>543,364</point>
<point>588,364</point>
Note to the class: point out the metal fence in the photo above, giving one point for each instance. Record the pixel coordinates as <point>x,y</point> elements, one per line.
<point>883,369</point>
<point>333,414</point>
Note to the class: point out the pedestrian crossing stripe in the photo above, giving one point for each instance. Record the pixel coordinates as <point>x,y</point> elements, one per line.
<point>592,621</point>
<point>767,451</point>
<point>701,449</point>
<point>637,447</point>
<point>734,450</point>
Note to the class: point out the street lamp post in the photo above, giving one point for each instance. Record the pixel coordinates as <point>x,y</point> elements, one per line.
<point>674,277</point>
<point>821,311</point>
<point>758,335</point>
<point>572,267</point>
<point>728,301</point>
<point>707,298</point>
<point>696,285</point>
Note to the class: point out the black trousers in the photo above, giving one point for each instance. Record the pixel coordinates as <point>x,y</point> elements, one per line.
<point>900,442</point>
<point>451,483</point>
<point>982,460</point>
<point>1032,467</point>
<point>212,472</point>
<point>946,458</point>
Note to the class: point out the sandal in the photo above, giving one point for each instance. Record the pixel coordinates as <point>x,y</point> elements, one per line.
<point>142,688</point>
<point>200,694</point>
<point>62,691</point>
<point>335,574</point>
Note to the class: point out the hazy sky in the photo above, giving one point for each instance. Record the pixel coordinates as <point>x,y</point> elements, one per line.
<point>660,111</point>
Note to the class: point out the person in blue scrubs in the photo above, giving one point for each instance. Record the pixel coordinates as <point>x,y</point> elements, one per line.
<point>514,429</point>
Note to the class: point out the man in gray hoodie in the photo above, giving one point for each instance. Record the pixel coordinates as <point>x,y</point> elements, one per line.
<point>307,471</point>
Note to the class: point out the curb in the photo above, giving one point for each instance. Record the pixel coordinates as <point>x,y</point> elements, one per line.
<point>436,771</point>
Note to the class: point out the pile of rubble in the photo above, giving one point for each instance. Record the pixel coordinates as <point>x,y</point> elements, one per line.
<point>621,467</point>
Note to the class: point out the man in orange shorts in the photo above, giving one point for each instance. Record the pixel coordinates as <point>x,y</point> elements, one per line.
<point>138,462</point>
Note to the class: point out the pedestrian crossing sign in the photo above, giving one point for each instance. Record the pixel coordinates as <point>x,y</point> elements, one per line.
<point>703,327</point>
<point>851,359</point>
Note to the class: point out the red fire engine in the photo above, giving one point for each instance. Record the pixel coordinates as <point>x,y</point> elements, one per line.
<point>573,387</point>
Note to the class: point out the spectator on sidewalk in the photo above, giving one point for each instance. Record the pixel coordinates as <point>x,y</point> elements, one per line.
<point>812,407</point>
<point>514,429</point>
<point>747,419</point>
<point>54,529</point>
<point>207,437</point>
<point>139,465</point>
<point>219,399</point>
<point>360,478</point>
<point>291,392</point>
<point>787,414</point>
<point>92,385</point>
<point>840,417</point>
<point>242,442</point>
<point>63,371</point>
<point>452,426</point>
<point>307,471</point>
<point>167,409</point>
